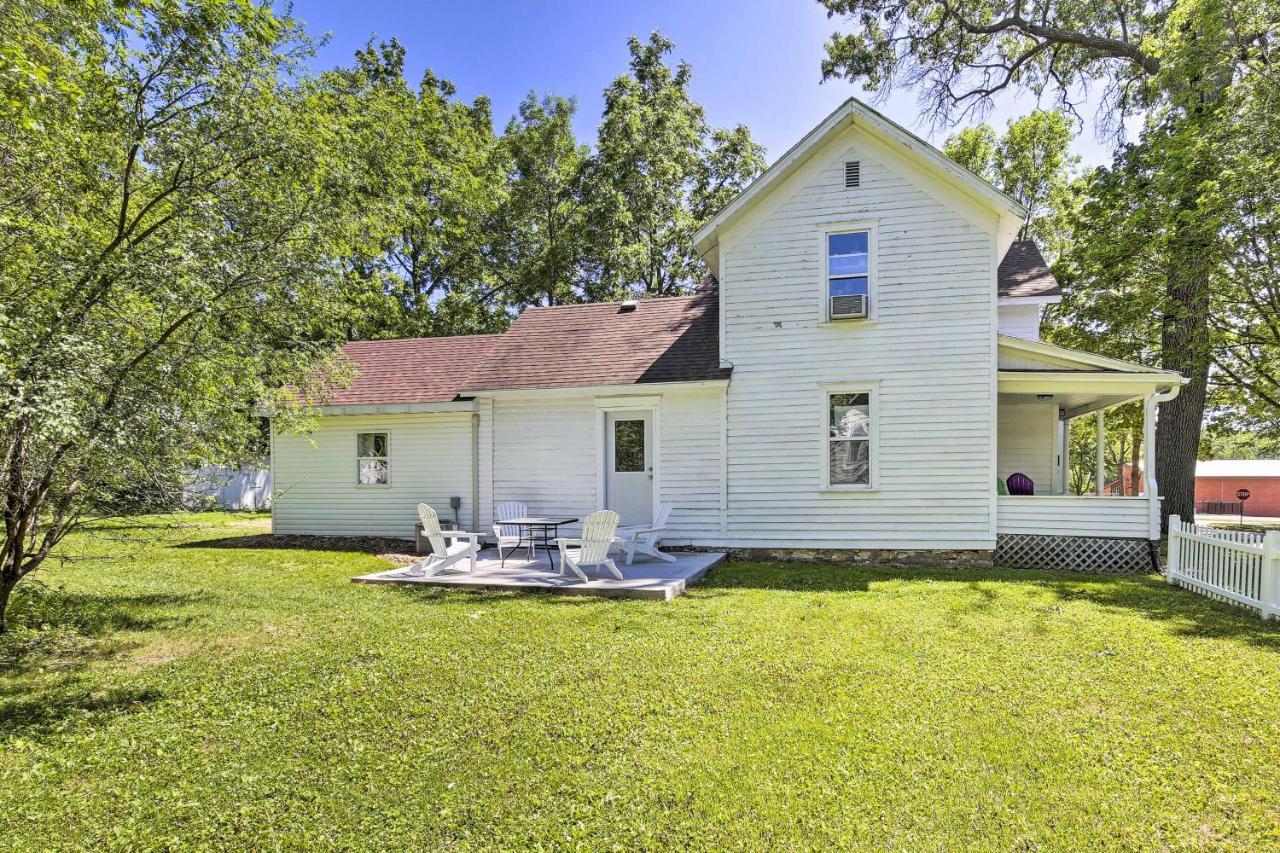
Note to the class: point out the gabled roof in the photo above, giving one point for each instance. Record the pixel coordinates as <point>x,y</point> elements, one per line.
<point>1024,274</point>
<point>676,339</point>
<point>855,111</point>
<point>411,370</point>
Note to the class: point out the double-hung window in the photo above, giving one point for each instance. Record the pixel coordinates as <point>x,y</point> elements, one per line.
<point>373,461</point>
<point>848,279</point>
<point>849,439</point>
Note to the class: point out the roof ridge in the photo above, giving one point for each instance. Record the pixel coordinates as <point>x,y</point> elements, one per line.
<point>643,301</point>
<point>426,338</point>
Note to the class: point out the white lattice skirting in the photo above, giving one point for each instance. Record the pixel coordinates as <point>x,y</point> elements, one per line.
<point>1073,553</point>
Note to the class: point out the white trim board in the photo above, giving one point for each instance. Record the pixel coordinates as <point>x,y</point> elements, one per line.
<point>1074,356</point>
<point>646,389</point>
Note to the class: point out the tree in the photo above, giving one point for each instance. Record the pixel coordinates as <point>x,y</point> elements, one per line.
<point>424,183</point>
<point>657,175</point>
<point>165,244</point>
<point>1174,60</point>
<point>1246,330</point>
<point>1218,443</point>
<point>1122,452</point>
<point>1031,162</point>
<point>543,219</point>
<point>976,148</point>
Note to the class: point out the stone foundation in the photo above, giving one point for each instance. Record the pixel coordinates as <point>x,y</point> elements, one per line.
<point>1085,554</point>
<point>893,558</point>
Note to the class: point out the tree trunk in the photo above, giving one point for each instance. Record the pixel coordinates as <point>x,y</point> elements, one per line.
<point>6,587</point>
<point>1184,342</point>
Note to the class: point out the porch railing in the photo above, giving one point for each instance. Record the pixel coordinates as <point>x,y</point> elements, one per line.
<point>1226,565</point>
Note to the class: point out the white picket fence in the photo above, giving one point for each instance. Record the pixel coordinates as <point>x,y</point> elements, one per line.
<point>1227,565</point>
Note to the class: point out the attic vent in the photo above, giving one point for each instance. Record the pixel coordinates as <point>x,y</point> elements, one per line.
<point>852,173</point>
<point>629,305</point>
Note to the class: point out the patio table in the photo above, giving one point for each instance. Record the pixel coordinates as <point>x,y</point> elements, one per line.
<point>548,528</point>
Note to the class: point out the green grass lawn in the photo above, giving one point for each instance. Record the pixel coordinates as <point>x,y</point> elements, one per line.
<point>166,693</point>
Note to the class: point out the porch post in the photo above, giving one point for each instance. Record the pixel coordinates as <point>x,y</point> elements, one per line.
<point>1064,456</point>
<point>1101,475</point>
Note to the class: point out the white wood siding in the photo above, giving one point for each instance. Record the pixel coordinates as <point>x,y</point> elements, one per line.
<point>542,450</point>
<point>1071,515</point>
<point>1028,442</point>
<point>546,453</point>
<point>689,469</point>
<point>315,483</point>
<point>931,351</point>
<point>1020,321</point>
<point>484,459</point>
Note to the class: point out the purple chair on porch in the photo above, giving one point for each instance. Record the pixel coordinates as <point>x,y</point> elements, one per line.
<point>1020,484</point>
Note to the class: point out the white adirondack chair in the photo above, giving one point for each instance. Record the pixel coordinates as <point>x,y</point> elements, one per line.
<point>644,539</point>
<point>592,548</point>
<point>509,535</point>
<point>443,555</point>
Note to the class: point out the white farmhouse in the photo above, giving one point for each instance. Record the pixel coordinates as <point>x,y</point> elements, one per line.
<point>862,376</point>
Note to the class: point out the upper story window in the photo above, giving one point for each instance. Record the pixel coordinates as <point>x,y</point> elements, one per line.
<point>848,275</point>
<point>373,461</point>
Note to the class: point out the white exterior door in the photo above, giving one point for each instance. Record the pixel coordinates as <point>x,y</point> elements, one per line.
<point>628,473</point>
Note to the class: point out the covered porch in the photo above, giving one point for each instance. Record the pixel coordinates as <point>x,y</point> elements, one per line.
<point>1042,390</point>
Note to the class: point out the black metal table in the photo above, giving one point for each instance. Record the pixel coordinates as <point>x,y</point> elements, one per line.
<point>549,529</point>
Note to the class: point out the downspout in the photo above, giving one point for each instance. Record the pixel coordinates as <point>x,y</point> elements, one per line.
<point>271,469</point>
<point>475,471</point>
<point>1100,447</point>
<point>1149,427</point>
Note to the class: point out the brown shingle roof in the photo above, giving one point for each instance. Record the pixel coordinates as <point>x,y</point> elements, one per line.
<point>1024,273</point>
<point>412,370</point>
<point>676,339</point>
<point>660,340</point>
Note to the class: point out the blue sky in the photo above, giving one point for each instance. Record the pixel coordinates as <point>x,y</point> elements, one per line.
<point>755,62</point>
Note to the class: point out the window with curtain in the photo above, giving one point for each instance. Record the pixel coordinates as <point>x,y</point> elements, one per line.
<point>373,464</point>
<point>849,439</point>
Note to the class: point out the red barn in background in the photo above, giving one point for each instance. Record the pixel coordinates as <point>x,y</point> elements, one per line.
<point>1218,480</point>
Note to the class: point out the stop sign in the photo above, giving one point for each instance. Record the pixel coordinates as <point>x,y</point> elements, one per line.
<point>1243,494</point>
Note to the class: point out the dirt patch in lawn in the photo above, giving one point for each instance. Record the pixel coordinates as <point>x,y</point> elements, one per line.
<point>396,551</point>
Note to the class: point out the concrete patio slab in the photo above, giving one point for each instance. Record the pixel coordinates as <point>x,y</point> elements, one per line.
<point>646,578</point>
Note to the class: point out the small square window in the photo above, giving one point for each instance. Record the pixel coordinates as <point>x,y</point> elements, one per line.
<point>373,462</point>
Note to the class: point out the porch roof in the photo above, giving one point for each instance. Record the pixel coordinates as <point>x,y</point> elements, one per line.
<point>1079,382</point>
